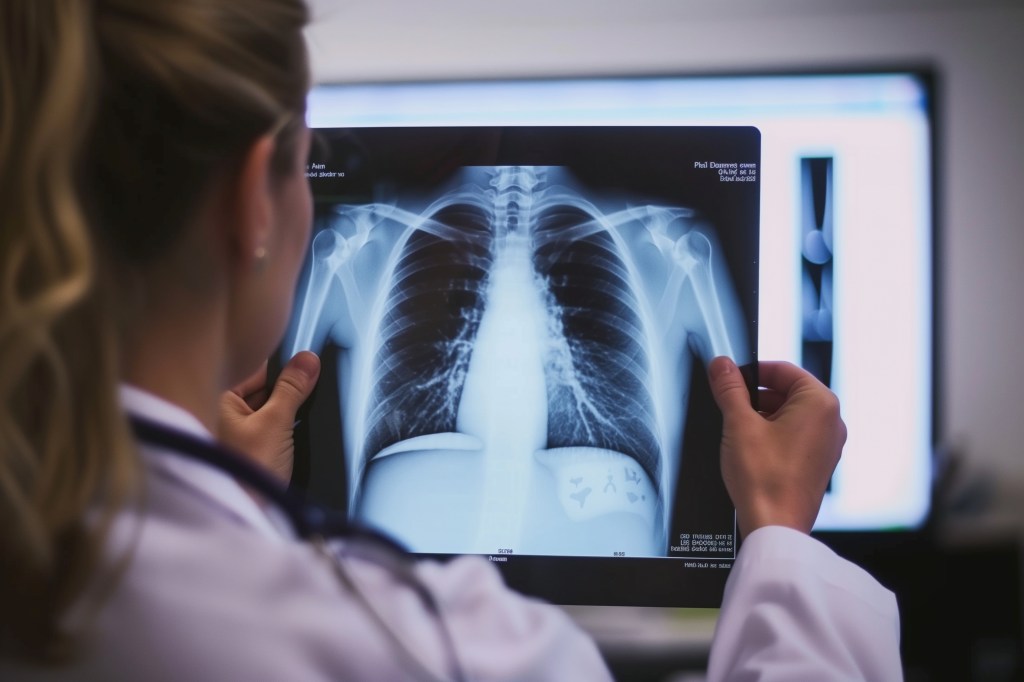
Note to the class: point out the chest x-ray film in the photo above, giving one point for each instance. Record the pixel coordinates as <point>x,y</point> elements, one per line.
<point>515,325</point>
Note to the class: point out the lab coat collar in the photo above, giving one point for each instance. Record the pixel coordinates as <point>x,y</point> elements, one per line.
<point>142,403</point>
<point>217,488</point>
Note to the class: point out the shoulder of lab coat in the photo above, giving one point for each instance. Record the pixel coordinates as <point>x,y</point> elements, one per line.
<point>207,593</point>
<point>794,610</point>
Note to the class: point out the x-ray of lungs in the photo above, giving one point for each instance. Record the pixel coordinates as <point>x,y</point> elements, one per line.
<point>515,343</point>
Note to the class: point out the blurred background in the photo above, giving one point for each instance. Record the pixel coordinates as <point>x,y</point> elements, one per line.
<point>956,573</point>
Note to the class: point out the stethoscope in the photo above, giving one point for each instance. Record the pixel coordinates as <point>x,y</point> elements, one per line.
<point>316,525</point>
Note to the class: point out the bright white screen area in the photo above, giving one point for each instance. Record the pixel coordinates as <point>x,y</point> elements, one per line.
<point>876,131</point>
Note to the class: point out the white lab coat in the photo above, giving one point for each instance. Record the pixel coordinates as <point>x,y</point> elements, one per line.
<point>217,588</point>
<point>794,611</point>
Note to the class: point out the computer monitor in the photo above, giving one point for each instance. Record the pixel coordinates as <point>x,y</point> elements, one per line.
<point>847,233</point>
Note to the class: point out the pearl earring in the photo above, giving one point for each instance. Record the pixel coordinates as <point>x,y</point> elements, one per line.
<point>260,254</point>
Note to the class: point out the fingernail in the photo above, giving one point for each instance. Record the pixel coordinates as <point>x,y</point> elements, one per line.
<point>720,367</point>
<point>309,364</point>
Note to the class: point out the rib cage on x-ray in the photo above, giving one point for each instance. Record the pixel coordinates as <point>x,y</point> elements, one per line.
<point>512,281</point>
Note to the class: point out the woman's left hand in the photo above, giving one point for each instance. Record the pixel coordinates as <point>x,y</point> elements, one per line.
<point>261,425</point>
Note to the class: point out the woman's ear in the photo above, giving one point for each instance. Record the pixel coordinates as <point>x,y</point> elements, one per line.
<point>252,210</point>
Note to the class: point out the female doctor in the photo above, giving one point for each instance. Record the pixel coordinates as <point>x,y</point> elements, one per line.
<point>155,213</point>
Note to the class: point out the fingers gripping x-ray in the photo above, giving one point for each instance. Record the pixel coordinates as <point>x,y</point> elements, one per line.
<point>512,357</point>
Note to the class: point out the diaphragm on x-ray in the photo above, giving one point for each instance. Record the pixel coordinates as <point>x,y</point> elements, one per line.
<point>515,325</point>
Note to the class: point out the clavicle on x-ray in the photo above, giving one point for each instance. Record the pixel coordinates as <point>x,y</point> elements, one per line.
<point>512,352</point>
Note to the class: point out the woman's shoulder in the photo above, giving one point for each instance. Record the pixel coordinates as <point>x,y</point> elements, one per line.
<point>189,591</point>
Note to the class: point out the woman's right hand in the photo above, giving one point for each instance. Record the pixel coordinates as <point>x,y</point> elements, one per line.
<point>777,460</point>
<point>260,423</point>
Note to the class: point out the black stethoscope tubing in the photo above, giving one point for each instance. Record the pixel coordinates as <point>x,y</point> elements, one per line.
<point>312,524</point>
<point>307,520</point>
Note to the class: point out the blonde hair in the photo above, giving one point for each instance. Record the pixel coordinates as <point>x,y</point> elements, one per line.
<point>115,115</point>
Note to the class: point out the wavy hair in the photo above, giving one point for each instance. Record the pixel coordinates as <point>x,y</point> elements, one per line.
<point>115,115</point>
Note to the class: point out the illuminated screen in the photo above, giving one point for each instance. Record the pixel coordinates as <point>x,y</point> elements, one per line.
<point>845,284</point>
<point>515,324</point>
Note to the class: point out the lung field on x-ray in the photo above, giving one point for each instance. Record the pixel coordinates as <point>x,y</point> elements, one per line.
<point>541,329</point>
<point>598,369</point>
<point>431,316</point>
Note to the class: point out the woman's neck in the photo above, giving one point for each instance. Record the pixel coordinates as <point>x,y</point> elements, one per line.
<point>179,358</point>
